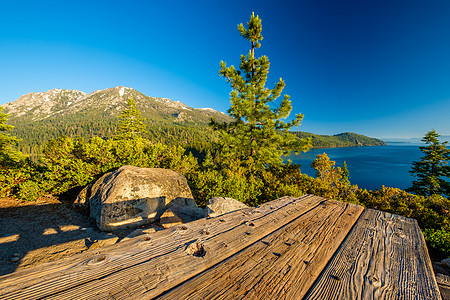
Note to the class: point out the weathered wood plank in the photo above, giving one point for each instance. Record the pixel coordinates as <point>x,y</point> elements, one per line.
<point>384,257</point>
<point>283,265</point>
<point>443,282</point>
<point>147,266</point>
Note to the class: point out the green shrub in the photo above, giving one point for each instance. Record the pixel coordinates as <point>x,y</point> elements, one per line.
<point>438,240</point>
<point>73,163</point>
<point>14,174</point>
<point>30,190</point>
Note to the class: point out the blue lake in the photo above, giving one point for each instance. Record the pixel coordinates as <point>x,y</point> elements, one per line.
<point>369,167</point>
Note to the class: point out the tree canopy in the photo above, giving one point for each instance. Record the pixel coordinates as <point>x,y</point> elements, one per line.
<point>257,133</point>
<point>432,171</point>
<point>7,152</point>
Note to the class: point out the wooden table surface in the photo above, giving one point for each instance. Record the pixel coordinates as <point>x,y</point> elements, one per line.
<point>290,248</point>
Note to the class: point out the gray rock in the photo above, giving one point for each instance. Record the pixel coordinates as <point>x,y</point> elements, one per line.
<point>132,196</point>
<point>81,204</point>
<point>103,243</point>
<point>135,233</point>
<point>176,215</point>
<point>89,230</point>
<point>170,219</point>
<point>188,213</point>
<point>139,232</point>
<point>220,205</point>
<point>446,262</point>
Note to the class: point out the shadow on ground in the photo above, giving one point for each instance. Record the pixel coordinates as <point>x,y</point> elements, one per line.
<point>42,231</point>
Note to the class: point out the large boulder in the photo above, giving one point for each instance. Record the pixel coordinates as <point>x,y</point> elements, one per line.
<point>131,196</point>
<point>220,205</point>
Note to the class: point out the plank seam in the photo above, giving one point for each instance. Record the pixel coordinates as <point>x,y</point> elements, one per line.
<point>334,255</point>
<point>237,253</point>
<point>302,198</point>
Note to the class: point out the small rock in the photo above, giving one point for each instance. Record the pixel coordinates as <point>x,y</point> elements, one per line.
<point>81,204</point>
<point>15,259</point>
<point>87,229</point>
<point>135,233</point>
<point>138,232</point>
<point>16,255</point>
<point>176,215</point>
<point>170,219</point>
<point>220,205</point>
<point>446,262</point>
<point>188,213</point>
<point>103,243</point>
<point>148,230</point>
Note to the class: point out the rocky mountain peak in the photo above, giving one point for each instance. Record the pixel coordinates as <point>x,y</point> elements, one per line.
<point>42,103</point>
<point>107,103</point>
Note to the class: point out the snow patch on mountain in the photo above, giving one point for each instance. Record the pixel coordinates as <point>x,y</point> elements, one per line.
<point>212,110</point>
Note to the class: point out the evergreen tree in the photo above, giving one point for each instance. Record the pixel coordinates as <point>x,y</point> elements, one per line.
<point>131,123</point>
<point>432,171</point>
<point>7,152</point>
<point>345,174</point>
<point>257,133</point>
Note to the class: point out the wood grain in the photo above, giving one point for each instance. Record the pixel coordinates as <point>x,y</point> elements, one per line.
<point>384,257</point>
<point>147,266</point>
<point>283,265</point>
<point>443,282</point>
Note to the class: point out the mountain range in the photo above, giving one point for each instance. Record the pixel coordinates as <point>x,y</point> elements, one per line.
<point>110,102</point>
<point>38,117</point>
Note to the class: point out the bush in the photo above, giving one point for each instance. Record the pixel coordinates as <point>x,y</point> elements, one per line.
<point>14,174</point>
<point>438,239</point>
<point>30,190</point>
<point>73,163</point>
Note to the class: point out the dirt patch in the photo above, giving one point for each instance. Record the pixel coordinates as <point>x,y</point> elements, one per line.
<point>48,229</point>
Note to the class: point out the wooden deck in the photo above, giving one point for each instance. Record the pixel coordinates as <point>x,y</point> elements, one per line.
<point>290,248</point>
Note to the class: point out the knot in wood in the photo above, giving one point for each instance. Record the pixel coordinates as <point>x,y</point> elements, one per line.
<point>97,260</point>
<point>196,248</point>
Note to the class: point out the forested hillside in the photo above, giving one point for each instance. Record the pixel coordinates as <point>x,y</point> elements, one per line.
<point>347,139</point>
<point>39,117</point>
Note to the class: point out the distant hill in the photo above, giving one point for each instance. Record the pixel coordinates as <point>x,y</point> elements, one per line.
<point>38,117</point>
<point>347,139</point>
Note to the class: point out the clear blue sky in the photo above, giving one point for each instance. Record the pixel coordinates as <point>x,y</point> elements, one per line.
<point>380,68</point>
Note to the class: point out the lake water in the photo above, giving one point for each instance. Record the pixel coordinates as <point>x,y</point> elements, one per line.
<point>369,167</point>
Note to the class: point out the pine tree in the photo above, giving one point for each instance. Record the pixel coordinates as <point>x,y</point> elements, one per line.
<point>257,133</point>
<point>432,171</point>
<point>131,123</point>
<point>7,153</point>
<point>345,174</point>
